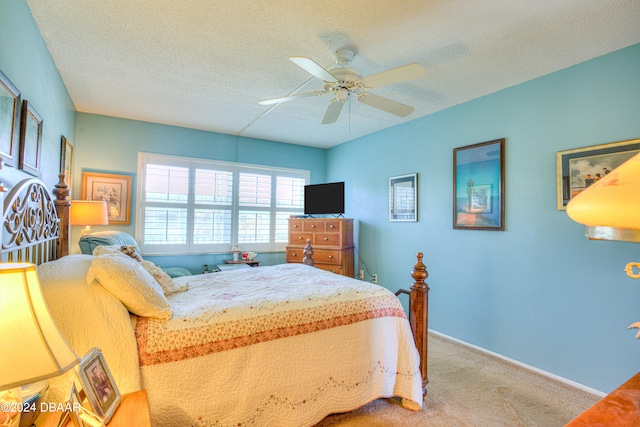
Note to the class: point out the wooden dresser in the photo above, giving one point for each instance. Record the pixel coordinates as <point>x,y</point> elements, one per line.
<point>332,241</point>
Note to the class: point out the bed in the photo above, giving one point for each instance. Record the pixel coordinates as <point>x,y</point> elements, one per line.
<point>279,345</point>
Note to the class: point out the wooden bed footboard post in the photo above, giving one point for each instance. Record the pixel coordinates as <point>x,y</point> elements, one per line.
<point>308,254</point>
<point>63,205</point>
<point>419,315</point>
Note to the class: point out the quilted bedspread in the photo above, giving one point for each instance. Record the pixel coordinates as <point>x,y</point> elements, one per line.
<point>283,345</point>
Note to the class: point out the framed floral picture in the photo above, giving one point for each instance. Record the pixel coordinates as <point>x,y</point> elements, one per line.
<point>9,121</point>
<point>111,188</point>
<point>478,186</point>
<point>578,168</point>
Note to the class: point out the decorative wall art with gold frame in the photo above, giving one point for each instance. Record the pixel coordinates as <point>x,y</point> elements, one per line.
<point>580,167</point>
<point>113,189</point>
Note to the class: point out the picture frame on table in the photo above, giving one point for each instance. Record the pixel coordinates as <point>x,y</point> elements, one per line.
<point>478,186</point>
<point>66,161</point>
<point>10,109</point>
<point>403,198</point>
<point>98,385</point>
<point>113,189</point>
<point>580,167</point>
<point>30,139</point>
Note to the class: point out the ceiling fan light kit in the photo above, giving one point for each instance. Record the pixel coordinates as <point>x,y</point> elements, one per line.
<point>342,82</point>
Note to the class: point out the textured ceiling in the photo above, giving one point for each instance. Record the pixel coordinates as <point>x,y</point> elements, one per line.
<point>205,64</point>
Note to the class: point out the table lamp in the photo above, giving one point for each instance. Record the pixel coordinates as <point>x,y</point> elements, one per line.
<point>33,348</point>
<point>88,213</point>
<point>610,209</point>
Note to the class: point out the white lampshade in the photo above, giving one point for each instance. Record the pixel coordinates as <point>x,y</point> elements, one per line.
<point>613,201</point>
<point>32,347</point>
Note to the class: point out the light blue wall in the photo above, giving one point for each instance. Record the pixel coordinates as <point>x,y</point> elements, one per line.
<point>538,292</point>
<point>24,58</point>
<point>111,145</point>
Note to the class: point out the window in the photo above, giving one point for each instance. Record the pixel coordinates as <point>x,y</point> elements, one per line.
<point>188,205</point>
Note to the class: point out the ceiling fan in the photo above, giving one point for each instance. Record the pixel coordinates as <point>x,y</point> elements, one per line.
<point>343,82</point>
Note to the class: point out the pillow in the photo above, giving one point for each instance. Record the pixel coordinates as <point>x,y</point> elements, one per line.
<point>131,284</point>
<point>168,287</point>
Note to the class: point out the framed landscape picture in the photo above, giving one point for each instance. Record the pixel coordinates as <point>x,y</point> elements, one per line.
<point>580,167</point>
<point>9,121</point>
<point>111,188</point>
<point>478,186</point>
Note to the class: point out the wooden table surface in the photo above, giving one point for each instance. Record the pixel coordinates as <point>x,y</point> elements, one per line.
<point>620,408</point>
<point>133,411</point>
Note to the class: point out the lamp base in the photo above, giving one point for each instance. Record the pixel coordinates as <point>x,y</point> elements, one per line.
<point>85,231</point>
<point>610,233</point>
<point>11,401</point>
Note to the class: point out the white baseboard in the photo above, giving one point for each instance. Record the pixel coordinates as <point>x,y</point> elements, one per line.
<point>523,365</point>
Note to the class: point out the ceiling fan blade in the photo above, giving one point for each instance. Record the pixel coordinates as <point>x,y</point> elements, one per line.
<point>333,112</point>
<point>393,76</point>
<point>313,68</point>
<point>290,98</point>
<point>385,104</point>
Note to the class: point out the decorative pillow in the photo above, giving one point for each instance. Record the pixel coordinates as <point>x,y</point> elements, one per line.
<point>168,287</point>
<point>131,284</point>
<point>165,281</point>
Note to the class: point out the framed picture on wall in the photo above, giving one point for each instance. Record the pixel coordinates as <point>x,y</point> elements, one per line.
<point>66,161</point>
<point>580,167</point>
<point>9,121</point>
<point>111,188</point>
<point>478,186</point>
<point>30,139</point>
<point>403,198</point>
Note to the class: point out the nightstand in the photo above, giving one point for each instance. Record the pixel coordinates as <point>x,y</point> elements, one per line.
<point>252,263</point>
<point>133,410</point>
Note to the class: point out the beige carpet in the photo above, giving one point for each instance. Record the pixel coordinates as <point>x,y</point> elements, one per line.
<point>470,388</point>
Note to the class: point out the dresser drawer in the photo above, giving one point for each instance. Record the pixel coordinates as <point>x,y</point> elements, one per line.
<point>327,256</point>
<point>295,255</point>
<point>330,267</point>
<point>295,224</point>
<point>313,226</point>
<point>300,238</point>
<point>327,239</point>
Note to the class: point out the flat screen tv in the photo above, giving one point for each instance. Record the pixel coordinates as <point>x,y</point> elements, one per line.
<point>320,199</point>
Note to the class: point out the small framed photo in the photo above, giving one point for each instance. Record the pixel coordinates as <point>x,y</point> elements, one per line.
<point>9,121</point>
<point>30,139</point>
<point>478,186</point>
<point>98,384</point>
<point>579,168</point>
<point>403,198</point>
<point>113,189</point>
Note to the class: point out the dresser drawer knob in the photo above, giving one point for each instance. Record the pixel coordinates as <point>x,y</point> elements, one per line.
<point>295,226</point>
<point>294,254</point>
<point>326,238</point>
<point>330,256</point>
<point>332,226</point>
<point>313,226</point>
<point>300,238</point>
